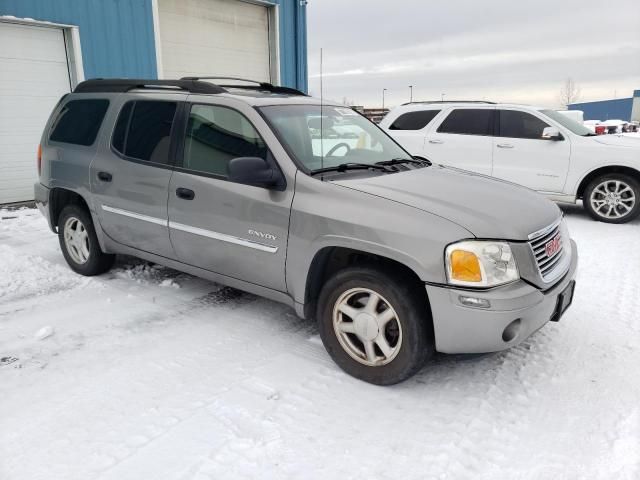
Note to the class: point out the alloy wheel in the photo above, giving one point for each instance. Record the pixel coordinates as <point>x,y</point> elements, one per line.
<point>367,327</point>
<point>613,199</point>
<point>76,239</point>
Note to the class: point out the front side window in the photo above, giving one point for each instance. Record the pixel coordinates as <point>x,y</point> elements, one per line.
<point>469,121</point>
<point>514,124</point>
<point>320,137</point>
<point>79,121</point>
<point>414,120</point>
<point>215,136</point>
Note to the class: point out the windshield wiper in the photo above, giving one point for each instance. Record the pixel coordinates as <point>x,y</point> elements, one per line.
<point>400,161</point>
<point>343,167</point>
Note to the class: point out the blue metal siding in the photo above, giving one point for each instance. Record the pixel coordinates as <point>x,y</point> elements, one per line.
<point>618,109</point>
<point>116,36</point>
<point>293,43</point>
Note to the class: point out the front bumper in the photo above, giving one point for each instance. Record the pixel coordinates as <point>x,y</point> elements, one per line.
<point>462,329</point>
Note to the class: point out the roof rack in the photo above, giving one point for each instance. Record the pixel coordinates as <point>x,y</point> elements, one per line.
<point>99,85</point>
<point>259,85</point>
<point>451,101</point>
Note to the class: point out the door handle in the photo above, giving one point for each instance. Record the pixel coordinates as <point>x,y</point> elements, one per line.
<point>105,176</point>
<point>185,193</point>
<point>504,145</point>
<point>436,142</point>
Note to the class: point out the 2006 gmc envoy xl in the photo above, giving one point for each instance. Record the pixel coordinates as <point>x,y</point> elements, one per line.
<point>267,190</point>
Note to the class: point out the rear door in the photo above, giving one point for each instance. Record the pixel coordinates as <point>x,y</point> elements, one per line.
<point>463,139</point>
<point>130,176</point>
<point>521,155</point>
<point>229,228</point>
<point>409,129</point>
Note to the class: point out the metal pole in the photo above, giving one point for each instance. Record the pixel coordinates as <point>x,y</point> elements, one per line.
<point>383,90</point>
<point>410,93</point>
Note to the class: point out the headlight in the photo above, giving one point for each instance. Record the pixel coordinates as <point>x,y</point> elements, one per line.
<point>480,263</point>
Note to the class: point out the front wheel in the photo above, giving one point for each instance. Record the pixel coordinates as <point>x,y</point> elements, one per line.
<point>375,325</point>
<point>613,198</point>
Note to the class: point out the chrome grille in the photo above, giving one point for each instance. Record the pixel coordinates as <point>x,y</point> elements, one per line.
<point>551,266</point>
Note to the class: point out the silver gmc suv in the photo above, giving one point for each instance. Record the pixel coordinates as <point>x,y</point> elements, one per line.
<point>267,190</point>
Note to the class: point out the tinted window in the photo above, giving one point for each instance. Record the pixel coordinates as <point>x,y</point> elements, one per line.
<point>149,132</point>
<point>414,120</point>
<point>79,122</point>
<point>215,135</point>
<point>120,131</point>
<point>520,125</point>
<point>469,122</point>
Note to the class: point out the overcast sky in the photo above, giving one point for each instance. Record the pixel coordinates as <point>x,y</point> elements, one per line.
<point>503,50</point>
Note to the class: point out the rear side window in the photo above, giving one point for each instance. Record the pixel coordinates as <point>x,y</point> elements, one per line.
<point>122,125</point>
<point>515,124</point>
<point>216,135</point>
<point>469,121</point>
<point>79,121</point>
<point>143,130</point>
<point>414,120</point>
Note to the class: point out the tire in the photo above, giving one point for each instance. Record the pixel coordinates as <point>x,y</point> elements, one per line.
<point>612,198</point>
<point>79,243</point>
<point>408,334</point>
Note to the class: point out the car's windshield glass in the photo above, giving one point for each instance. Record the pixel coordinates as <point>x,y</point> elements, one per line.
<point>567,122</point>
<point>331,136</point>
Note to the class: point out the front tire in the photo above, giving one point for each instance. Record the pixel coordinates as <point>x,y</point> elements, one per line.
<point>79,243</point>
<point>376,325</point>
<point>612,198</point>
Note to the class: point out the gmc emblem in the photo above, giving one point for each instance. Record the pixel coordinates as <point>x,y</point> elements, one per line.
<point>553,246</point>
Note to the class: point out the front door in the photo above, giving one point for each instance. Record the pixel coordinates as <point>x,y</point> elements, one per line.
<point>522,156</point>
<point>130,180</point>
<point>229,228</point>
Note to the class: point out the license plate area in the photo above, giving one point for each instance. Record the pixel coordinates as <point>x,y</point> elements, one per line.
<point>564,301</point>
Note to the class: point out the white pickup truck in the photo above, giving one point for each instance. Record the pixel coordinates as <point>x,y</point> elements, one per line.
<point>532,146</point>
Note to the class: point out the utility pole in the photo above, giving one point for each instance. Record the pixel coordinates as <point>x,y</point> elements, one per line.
<point>442,97</point>
<point>410,93</point>
<point>383,92</point>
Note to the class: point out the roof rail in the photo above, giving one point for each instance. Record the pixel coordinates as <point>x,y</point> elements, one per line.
<point>259,85</point>
<point>451,101</point>
<point>100,85</point>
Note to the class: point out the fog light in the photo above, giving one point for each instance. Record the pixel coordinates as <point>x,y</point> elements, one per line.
<point>474,302</point>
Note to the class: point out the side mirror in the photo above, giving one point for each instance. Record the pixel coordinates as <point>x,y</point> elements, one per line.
<point>255,171</point>
<point>551,133</point>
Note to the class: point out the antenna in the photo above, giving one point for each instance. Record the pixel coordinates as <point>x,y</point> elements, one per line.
<point>321,120</point>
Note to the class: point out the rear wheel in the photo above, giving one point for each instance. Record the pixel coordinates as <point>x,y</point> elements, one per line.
<point>79,242</point>
<point>613,198</point>
<point>375,325</point>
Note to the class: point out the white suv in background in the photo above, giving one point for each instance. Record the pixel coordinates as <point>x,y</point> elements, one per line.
<point>533,146</point>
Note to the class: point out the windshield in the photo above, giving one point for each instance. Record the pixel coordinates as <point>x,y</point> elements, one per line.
<point>567,122</point>
<point>346,136</point>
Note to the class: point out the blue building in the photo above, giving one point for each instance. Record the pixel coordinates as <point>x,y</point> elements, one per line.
<point>617,109</point>
<point>47,47</point>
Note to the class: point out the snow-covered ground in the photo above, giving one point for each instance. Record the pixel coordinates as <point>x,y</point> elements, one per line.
<point>147,373</point>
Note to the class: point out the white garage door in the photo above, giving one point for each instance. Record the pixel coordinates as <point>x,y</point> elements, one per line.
<point>214,37</point>
<point>33,76</point>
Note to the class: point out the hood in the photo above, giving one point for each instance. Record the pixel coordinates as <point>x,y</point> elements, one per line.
<point>617,140</point>
<point>486,207</point>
